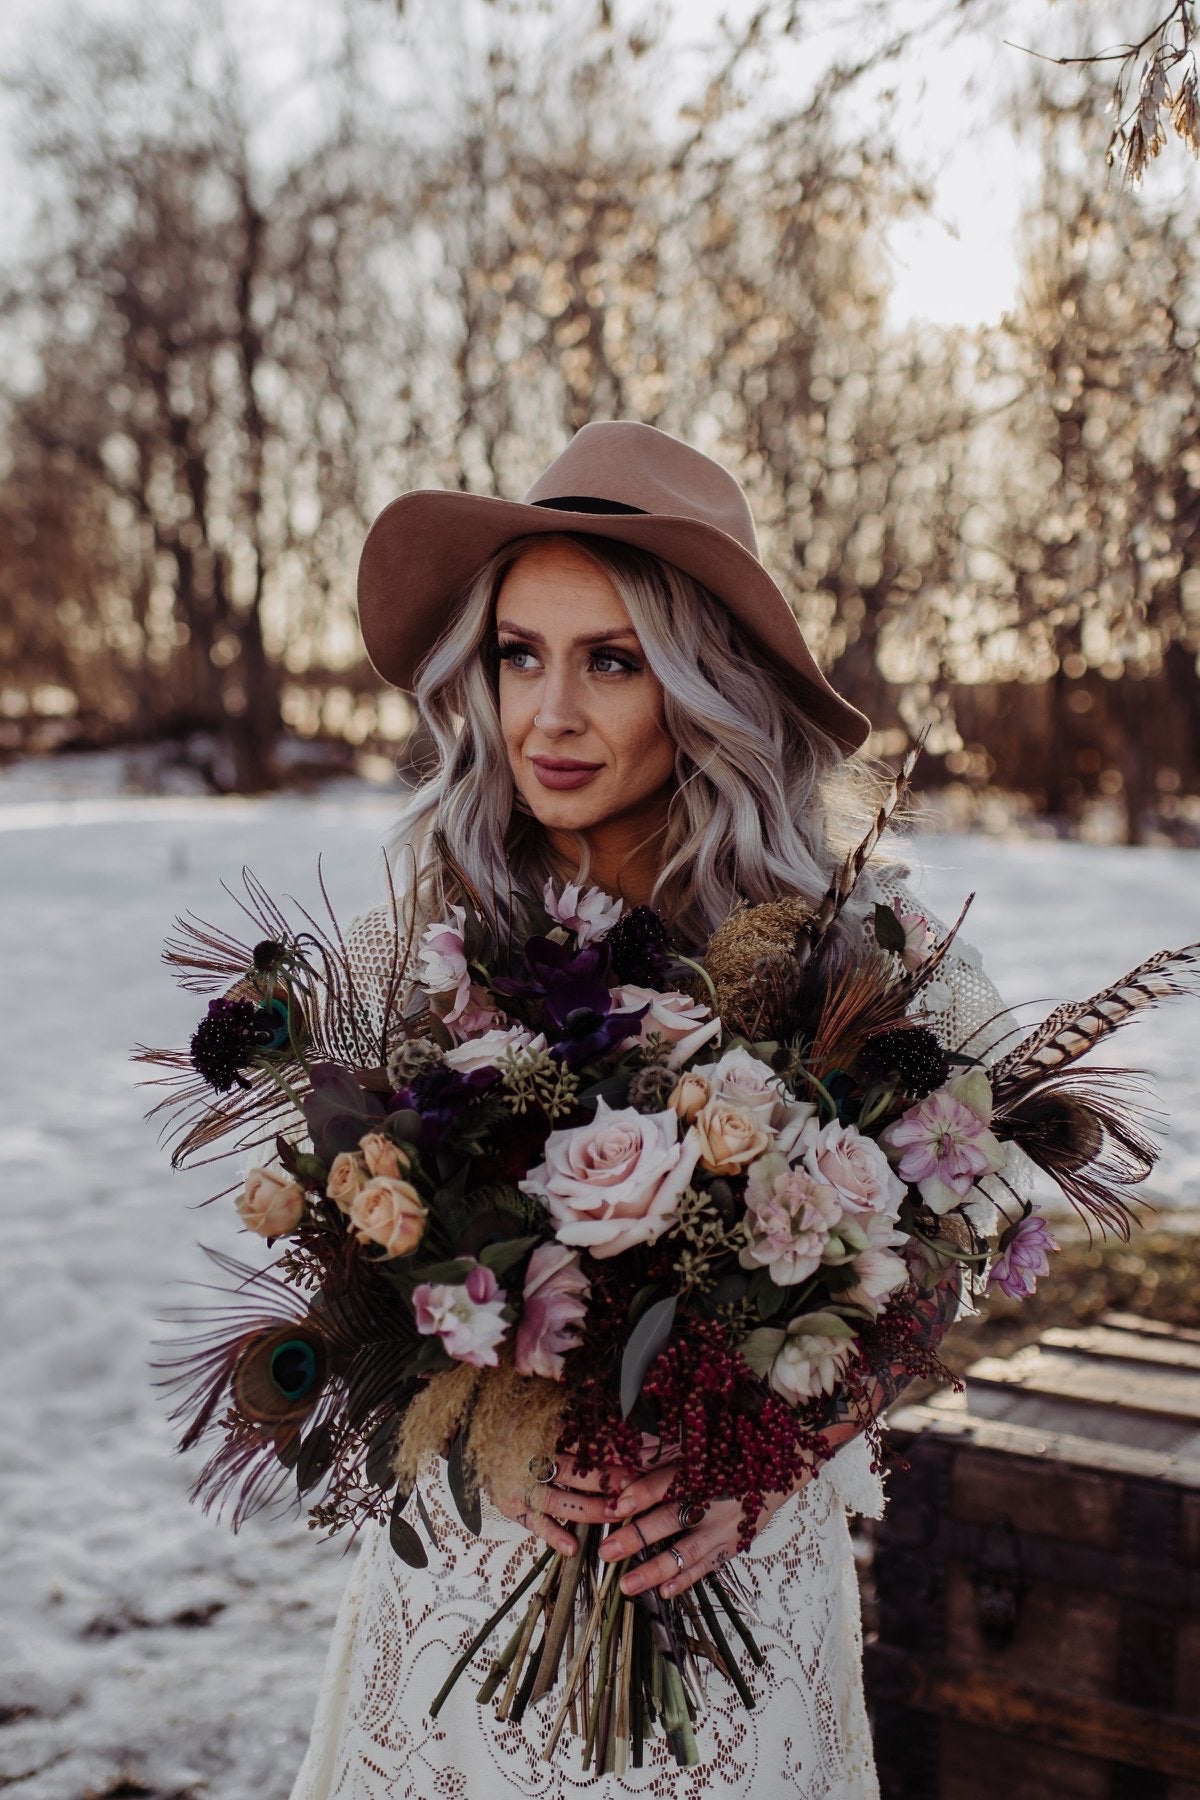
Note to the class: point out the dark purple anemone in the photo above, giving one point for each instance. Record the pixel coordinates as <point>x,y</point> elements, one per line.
<point>440,1096</point>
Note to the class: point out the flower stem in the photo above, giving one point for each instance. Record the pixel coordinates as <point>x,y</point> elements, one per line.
<point>486,1629</point>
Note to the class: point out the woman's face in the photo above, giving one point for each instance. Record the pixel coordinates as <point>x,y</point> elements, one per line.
<point>581,713</point>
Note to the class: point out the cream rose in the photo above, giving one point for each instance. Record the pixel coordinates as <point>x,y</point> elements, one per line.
<point>383,1156</point>
<point>389,1212</point>
<point>347,1174</point>
<point>683,1023</point>
<point>689,1094</point>
<point>746,1080</point>
<point>490,1049</point>
<point>729,1137</point>
<point>615,1181</point>
<point>856,1168</point>
<point>270,1203</point>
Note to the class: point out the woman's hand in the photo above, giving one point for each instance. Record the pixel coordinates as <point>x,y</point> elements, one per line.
<point>703,1544</point>
<point>562,1498</point>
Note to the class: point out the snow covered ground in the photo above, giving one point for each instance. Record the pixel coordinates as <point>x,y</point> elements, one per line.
<point>143,1649</point>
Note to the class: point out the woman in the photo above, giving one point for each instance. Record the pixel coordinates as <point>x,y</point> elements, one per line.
<point>617,694</point>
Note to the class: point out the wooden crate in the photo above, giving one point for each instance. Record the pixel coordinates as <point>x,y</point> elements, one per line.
<point>1038,1577</point>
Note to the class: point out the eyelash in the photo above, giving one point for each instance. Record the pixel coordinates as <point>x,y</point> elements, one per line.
<point>625,665</point>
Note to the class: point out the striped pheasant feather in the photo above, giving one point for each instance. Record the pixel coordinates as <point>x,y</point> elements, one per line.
<point>846,879</point>
<point>1073,1028</point>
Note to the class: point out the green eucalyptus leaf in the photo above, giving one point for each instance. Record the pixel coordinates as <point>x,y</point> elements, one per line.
<point>404,1539</point>
<point>648,1337</point>
<point>761,1348</point>
<point>499,1258</point>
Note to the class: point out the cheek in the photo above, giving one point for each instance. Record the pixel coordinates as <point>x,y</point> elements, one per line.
<point>516,714</point>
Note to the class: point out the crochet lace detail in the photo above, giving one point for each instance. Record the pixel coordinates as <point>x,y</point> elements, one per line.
<point>399,1629</point>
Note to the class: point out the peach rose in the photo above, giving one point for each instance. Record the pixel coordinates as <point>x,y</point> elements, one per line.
<point>383,1156</point>
<point>615,1181</point>
<point>389,1212</point>
<point>729,1137</point>
<point>689,1094</point>
<point>270,1203</point>
<point>347,1174</point>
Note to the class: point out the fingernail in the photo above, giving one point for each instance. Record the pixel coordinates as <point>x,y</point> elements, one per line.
<point>630,1584</point>
<point>626,1504</point>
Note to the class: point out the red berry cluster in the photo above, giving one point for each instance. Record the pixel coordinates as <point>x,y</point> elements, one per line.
<point>736,1440</point>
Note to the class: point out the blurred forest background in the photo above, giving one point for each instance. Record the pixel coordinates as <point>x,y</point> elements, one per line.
<point>244,311</point>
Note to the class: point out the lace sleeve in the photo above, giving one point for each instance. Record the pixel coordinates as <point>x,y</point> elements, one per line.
<point>968,1014</point>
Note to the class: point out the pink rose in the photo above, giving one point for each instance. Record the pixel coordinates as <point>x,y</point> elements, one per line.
<point>685,1024</point>
<point>746,1080</point>
<point>390,1213</point>
<point>615,1181</point>
<point>383,1156</point>
<point>789,1215</point>
<point>856,1168</point>
<point>468,1316</point>
<point>270,1203</point>
<point>556,1291</point>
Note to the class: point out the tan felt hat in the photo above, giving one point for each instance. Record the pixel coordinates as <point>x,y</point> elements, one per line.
<point>615,479</point>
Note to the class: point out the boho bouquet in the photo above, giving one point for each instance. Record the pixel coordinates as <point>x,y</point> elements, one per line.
<point>568,1189</point>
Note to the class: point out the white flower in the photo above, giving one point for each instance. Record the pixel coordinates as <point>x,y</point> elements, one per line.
<point>812,1357</point>
<point>489,1050</point>
<point>442,954</point>
<point>589,918</point>
<point>684,1023</point>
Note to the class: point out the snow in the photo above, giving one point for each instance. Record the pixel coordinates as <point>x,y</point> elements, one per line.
<point>143,1641</point>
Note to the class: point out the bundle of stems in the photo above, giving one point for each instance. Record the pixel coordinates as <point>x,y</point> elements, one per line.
<point>631,1662</point>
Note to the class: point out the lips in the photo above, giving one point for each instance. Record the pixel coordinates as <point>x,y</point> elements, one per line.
<point>563,771</point>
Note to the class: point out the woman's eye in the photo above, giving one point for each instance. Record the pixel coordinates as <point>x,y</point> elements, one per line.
<point>513,653</point>
<point>612,662</point>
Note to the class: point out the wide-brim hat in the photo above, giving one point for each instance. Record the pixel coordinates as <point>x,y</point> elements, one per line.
<point>616,479</point>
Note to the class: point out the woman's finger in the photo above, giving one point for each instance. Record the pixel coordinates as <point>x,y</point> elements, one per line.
<point>698,1552</point>
<point>647,1529</point>
<point>569,1504</point>
<point>643,1493</point>
<point>608,1479</point>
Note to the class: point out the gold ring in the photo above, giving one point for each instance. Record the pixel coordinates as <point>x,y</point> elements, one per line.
<point>543,1468</point>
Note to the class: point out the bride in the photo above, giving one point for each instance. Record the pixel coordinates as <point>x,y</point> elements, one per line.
<point>619,694</point>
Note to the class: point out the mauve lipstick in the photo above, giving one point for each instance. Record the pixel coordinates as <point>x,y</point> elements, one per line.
<point>563,771</point>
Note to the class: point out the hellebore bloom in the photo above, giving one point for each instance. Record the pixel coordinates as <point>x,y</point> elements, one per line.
<point>467,1315</point>
<point>945,1143</point>
<point>1023,1257</point>
<point>589,918</point>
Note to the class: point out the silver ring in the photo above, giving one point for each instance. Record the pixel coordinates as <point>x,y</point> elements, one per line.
<point>543,1469</point>
<point>678,1558</point>
<point>690,1513</point>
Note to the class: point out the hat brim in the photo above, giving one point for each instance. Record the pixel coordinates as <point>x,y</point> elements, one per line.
<point>426,545</point>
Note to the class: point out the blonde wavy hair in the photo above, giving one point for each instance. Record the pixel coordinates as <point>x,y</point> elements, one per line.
<point>765,802</point>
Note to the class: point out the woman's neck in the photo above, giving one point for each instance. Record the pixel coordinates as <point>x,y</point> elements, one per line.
<point>626,854</point>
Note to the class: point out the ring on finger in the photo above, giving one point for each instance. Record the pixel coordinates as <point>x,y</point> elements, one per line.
<point>690,1514</point>
<point>543,1469</point>
<point>678,1555</point>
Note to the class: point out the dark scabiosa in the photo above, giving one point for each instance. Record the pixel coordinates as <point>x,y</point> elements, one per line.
<point>440,1096</point>
<point>638,947</point>
<point>911,1055</point>
<point>224,1043</point>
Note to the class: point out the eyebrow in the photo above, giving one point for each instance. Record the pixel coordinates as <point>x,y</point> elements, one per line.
<point>588,637</point>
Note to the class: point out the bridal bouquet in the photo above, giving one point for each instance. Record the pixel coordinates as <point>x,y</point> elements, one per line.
<point>568,1189</point>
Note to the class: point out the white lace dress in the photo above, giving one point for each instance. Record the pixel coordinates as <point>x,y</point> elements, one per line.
<point>399,1630</point>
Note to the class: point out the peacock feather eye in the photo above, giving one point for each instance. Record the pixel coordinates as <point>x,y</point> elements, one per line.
<point>270,1024</point>
<point>280,1376</point>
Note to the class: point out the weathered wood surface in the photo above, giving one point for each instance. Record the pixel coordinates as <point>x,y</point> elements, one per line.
<point>1038,1576</point>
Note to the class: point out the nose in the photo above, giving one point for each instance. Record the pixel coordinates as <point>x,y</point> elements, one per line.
<point>560,711</point>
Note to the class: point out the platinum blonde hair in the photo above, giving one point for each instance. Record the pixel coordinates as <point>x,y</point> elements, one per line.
<point>757,782</point>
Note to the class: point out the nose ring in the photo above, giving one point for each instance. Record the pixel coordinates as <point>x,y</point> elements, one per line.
<point>537,718</point>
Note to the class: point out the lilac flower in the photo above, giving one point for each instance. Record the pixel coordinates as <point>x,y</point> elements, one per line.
<point>1024,1255</point>
<point>945,1143</point>
<point>468,1316</point>
<point>556,1291</point>
<point>589,918</point>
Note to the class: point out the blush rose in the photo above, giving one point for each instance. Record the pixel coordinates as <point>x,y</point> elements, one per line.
<point>615,1181</point>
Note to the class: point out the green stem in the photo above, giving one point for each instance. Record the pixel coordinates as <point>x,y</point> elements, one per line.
<point>736,1620</point>
<point>722,1642</point>
<point>485,1631</point>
